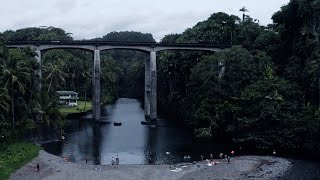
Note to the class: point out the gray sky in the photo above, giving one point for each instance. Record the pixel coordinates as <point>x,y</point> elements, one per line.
<point>95,18</point>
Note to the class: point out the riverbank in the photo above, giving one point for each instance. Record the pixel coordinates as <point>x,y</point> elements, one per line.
<point>15,156</point>
<point>82,107</point>
<point>242,167</point>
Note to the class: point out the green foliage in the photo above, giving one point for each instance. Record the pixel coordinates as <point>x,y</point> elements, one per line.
<point>127,36</point>
<point>15,156</point>
<point>263,95</point>
<point>22,107</point>
<point>33,33</point>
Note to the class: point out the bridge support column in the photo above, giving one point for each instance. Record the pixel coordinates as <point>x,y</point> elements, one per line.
<point>153,73</point>
<point>96,85</point>
<point>147,87</point>
<point>38,58</point>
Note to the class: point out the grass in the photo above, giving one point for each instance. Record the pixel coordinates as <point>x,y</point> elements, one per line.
<point>15,156</point>
<point>78,109</point>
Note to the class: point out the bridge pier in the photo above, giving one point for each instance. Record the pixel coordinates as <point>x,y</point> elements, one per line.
<point>147,87</point>
<point>153,90</point>
<point>96,85</point>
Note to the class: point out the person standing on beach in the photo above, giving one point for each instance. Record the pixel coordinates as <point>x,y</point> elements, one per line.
<point>38,167</point>
<point>232,153</point>
<point>86,159</point>
<point>211,157</point>
<point>112,161</point>
<point>117,160</point>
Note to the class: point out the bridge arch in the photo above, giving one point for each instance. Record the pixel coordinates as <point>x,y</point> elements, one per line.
<point>134,48</point>
<point>159,48</point>
<point>50,47</point>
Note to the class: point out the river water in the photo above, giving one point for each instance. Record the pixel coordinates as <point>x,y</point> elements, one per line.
<point>132,142</point>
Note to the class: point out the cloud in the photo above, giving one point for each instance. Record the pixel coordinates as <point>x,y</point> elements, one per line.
<point>65,5</point>
<point>87,19</point>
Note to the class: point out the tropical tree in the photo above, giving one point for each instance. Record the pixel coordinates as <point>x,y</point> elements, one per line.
<point>86,79</point>
<point>243,10</point>
<point>55,74</point>
<point>4,106</point>
<point>16,74</point>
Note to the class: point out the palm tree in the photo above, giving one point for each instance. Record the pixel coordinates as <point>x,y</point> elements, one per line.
<point>16,74</point>
<point>55,74</point>
<point>243,10</point>
<point>4,98</point>
<point>86,83</point>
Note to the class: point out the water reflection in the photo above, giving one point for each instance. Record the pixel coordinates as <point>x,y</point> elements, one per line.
<point>132,142</point>
<point>150,150</point>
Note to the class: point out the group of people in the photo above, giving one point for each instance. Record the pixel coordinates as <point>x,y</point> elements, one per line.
<point>115,161</point>
<point>187,158</point>
<point>225,157</point>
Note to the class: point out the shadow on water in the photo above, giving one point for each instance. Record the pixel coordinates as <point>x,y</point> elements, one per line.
<point>96,138</point>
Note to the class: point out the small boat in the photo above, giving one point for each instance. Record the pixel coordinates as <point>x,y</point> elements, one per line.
<point>117,123</point>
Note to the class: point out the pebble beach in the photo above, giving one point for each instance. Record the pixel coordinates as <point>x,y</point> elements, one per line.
<point>241,167</point>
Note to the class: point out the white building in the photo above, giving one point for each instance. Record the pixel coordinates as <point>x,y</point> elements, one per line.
<point>69,98</point>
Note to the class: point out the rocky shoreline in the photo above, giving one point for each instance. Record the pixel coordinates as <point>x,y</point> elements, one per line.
<point>242,167</point>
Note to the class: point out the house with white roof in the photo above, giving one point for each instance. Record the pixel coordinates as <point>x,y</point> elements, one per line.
<point>69,98</point>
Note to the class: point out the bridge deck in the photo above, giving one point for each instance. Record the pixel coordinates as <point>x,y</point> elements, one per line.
<point>115,43</point>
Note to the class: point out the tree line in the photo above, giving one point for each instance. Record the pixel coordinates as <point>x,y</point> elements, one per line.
<point>268,95</point>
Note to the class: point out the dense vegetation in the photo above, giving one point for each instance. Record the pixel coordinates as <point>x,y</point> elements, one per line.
<point>261,94</point>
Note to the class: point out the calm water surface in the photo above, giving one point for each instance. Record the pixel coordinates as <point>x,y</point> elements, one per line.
<point>132,142</point>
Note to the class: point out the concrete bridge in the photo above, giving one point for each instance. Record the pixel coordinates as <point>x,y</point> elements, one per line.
<point>97,46</point>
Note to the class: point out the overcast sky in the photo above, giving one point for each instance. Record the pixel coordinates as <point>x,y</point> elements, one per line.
<point>94,18</point>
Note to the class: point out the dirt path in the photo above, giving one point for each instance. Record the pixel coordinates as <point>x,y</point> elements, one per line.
<point>243,167</point>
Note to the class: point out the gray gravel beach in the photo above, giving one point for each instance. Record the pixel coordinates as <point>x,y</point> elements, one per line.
<point>242,167</point>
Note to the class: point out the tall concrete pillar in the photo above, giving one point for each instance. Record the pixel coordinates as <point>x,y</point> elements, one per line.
<point>153,99</point>
<point>147,87</point>
<point>96,85</point>
<point>38,58</point>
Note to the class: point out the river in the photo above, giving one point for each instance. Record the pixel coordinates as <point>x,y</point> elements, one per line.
<point>132,142</point>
